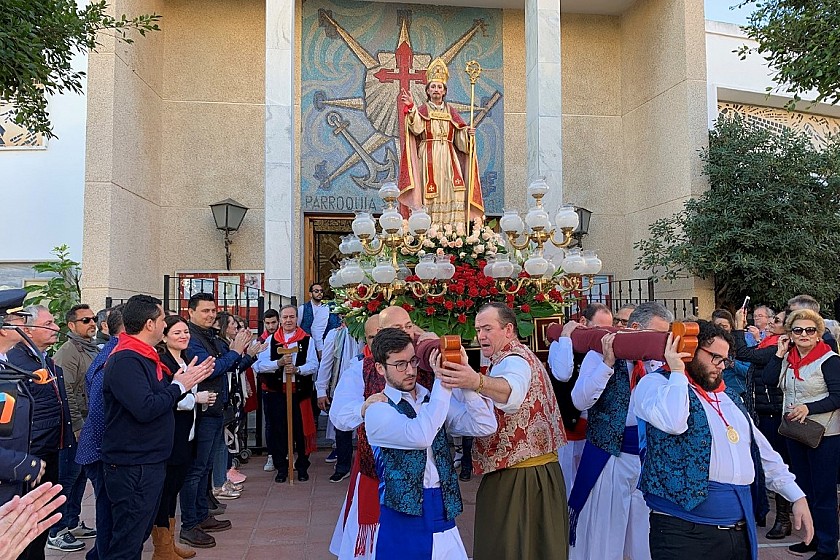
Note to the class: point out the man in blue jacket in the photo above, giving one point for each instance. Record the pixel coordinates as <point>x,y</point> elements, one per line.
<point>196,520</point>
<point>139,423</point>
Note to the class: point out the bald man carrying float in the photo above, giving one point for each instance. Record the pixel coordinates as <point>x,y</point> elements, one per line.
<point>358,523</point>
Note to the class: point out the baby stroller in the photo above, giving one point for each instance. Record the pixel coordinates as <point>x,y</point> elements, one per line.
<point>235,430</point>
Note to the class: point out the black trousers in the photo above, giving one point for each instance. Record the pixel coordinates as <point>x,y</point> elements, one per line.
<point>343,451</point>
<point>134,491</point>
<point>35,549</point>
<point>672,538</point>
<point>172,484</point>
<point>277,439</point>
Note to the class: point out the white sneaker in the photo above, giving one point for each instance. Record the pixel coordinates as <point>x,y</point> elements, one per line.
<point>269,464</point>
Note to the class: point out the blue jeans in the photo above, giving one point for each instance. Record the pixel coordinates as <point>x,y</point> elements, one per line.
<point>71,476</point>
<point>96,473</point>
<point>134,491</point>
<point>194,506</point>
<point>220,461</point>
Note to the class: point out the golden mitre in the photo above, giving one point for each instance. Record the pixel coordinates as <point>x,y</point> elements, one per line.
<point>437,72</point>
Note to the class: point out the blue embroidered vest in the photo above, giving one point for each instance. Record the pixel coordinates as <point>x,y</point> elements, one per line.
<point>608,415</point>
<point>676,467</point>
<point>401,473</point>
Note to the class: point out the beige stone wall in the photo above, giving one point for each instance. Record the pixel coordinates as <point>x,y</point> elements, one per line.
<point>516,160</point>
<point>175,124</point>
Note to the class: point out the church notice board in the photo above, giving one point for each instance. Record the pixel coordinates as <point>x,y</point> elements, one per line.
<point>356,58</point>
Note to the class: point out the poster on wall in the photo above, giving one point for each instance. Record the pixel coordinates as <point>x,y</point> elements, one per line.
<point>356,59</point>
<point>12,135</point>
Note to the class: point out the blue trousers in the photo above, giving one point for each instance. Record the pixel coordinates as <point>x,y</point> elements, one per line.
<point>96,473</point>
<point>194,506</point>
<point>816,474</point>
<point>134,491</point>
<point>71,476</point>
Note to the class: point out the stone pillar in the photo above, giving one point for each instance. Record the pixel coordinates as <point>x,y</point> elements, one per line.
<point>280,177</point>
<point>543,119</point>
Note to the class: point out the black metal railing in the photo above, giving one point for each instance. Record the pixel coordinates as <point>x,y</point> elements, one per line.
<point>617,293</point>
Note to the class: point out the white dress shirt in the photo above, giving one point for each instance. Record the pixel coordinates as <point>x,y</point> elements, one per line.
<point>349,396</point>
<point>593,379</point>
<point>320,316</point>
<point>516,371</point>
<point>348,351</point>
<point>663,403</point>
<point>464,413</point>
<point>265,364</point>
<point>561,361</point>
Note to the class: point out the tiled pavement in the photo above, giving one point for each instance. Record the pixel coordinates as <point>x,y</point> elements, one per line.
<point>283,522</point>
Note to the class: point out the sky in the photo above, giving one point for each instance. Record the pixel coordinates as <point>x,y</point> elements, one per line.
<point>718,10</point>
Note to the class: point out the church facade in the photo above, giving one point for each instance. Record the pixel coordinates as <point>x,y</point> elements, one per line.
<point>291,108</point>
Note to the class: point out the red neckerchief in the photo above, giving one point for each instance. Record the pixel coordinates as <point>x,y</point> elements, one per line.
<point>769,341</point>
<point>366,353</point>
<point>297,336</point>
<point>795,361</point>
<point>639,371</point>
<point>134,344</point>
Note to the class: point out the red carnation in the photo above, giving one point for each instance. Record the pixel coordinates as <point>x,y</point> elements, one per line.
<point>526,308</point>
<point>373,306</point>
<point>408,307</point>
<point>483,292</point>
<point>469,303</point>
<point>449,305</point>
<point>494,291</point>
<point>460,303</point>
<point>473,291</point>
<point>539,297</point>
<point>462,318</point>
<point>430,311</point>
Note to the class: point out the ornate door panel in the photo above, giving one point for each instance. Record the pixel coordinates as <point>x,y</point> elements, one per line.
<point>323,234</point>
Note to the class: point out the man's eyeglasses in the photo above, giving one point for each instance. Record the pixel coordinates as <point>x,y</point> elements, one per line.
<point>810,331</point>
<point>619,322</point>
<point>84,320</point>
<point>717,359</point>
<point>402,365</point>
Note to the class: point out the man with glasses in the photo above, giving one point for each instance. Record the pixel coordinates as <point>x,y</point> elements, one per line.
<point>622,315</point>
<point>705,461</point>
<point>407,427</point>
<point>75,357</point>
<point>609,518</point>
<point>762,316</point>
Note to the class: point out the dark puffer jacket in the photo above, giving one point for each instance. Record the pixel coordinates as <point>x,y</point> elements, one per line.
<point>766,400</point>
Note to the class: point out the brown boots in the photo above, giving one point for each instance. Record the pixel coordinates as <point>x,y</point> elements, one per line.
<point>782,526</point>
<point>163,539</point>
<point>180,552</point>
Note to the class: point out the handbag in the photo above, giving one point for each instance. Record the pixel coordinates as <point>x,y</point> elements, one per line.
<point>808,432</point>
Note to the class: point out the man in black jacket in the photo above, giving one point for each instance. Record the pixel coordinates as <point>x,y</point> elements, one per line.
<point>51,426</point>
<point>139,424</point>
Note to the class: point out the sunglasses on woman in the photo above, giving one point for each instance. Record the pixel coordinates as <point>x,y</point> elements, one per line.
<point>807,330</point>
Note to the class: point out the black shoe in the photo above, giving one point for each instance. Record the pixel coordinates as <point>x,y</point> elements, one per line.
<point>217,510</point>
<point>213,525</point>
<point>802,547</point>
<point>338,477</point>
<point>465,475</point>
<point>823,556</point>
<point>197,538</point>
<point>303,476</point>
<point>280,477</point>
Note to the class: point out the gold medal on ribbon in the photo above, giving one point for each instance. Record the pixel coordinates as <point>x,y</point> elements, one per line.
<point>732,435</point>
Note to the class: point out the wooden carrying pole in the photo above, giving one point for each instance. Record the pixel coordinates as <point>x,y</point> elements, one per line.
<point>289,439</point>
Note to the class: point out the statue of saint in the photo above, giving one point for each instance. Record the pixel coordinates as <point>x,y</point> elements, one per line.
<point>434,164</point>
